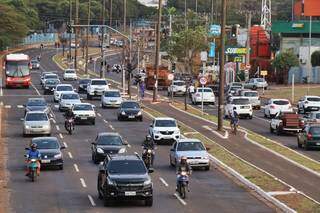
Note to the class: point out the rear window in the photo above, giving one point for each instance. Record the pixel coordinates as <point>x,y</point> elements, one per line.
<point>70,71</point>
<point>112,94</point>
<point>190,146</point>
<point>37,102</point>
<point>179,83</point>
<point>205,90</point>
<point>64,88</point>
<point>98,83</point>
<point>130,105</point>
<point>51,77</point>
<point>126,167</point>
<point>240,101</point>
<point>251,94</point>
<point>46,143</point>
<point>70,96</point>
<point>82,107</point>
<point>84,81</point>
<point>36,117</point>
<point>315,130</point>
<point>281,102</point>
<point>314,99</point>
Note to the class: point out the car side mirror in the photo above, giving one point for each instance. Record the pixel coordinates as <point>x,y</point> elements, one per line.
<point>27,148</point>
<point>172,150</point>
<point>150,125</point>
<point>150,170</point>
<point>22,119</point>
<point>62,147</point>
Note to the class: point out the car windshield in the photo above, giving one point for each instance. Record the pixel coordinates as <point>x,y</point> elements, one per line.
<point>70,71</point>
<point>98,83</point>
<point>260,80</point>
<point>127,167</point>
<point>315,130</point>
<point>70,96</point>
<point>234,88</point>
<point>251,94</point>
<point>64,88</point>
<point>281,102</point>
<point>84,81</point>
<point>51,77</point>
<point>130,105</point>
<point>52,81</point>
<point>113,94</point>
<point>190,146</point>
<point>165,123</point>
<point>109,140</point>
<point>17,68</point>
<point>179,83</point>
<point>36,117</point>
<point>317,116</point>
<point>38,102</point>
<point>82,107</point>
<point>205,90</point>
<point>34,62</point>
<point>240,101</point>
<point>315,99</point>
<point>46,143</point>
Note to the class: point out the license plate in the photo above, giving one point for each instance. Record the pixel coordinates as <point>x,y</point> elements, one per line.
<point>45,161</point>
<point>83,118</point>
<point>131,116</point>
<point>130,193</point>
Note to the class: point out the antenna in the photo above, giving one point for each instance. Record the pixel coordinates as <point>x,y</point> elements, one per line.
<point>266,14</point>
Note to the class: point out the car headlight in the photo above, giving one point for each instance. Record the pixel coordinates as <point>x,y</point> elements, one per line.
<point>111,182</point>
<point>57,156</point>
<point>46,126</point>
<point>205,158</point>
<point>177,132</point>
<point>27,126</point>
<point>123,113</point>
<point>139,113</point>
<point>122,150</point>
<point>156,132</point>
<point>99,150</point>
<point>147,182</point>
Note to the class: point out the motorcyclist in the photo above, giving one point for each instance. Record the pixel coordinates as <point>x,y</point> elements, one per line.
<point>33,154</point>
<point>148,143</point>
<point>234,117</point>
<point>68,115</point>
<point>183,167</point>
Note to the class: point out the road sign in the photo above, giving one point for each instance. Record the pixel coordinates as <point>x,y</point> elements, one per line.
<point>215,30</point>
<point>203,80</point>
<point>204,56</point>
<point>170,77</point>
<point>264,72</point>
<point>212,51</point>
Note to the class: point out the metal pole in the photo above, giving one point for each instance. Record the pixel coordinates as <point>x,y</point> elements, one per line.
<point>203,67</point>
<point>197,7</point>
<point>87,38</point>
<point>102,72</point>
<point>110,15</point>
<point>94,66</point>
<point>292,89</point>
<point>76,35</point>
<point>124,15</point>
<point>155,89</point>
<point>309,56</point>
<point>212,8</point>
<point>70,34</point>
<point>170,25</point>
<point>222,73</point>
<point>185,13</point>
<point>248,45</point>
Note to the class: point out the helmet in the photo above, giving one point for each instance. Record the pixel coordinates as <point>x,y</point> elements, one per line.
<point>183,160</point>
<point>33,146</point>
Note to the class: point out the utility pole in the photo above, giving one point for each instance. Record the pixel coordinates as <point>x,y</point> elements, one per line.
<point>155,89</point>
<point>102,71</point>
<point>87,37</point>
<point>110,15</point>
<point>124,14</point>
<point>222,73</point>
<point>197,7</point>
<point>70,34</point>
<point>212,8</point>
<point>76,35</point>
<point>248,45</point>
<point>185,13</point>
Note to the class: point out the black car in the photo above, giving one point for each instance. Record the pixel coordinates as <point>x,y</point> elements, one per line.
<point>124,177</point>
<point>107,143</point>
<point>83,83</point>
<point>49,86</point>
<point>50,150</point>
<point>36,104</point>
<point>130,110</point>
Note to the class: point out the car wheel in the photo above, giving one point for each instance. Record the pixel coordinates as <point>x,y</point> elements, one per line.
<point>171,164</point>
<point>61,167</point>
<point>89,97</point>
<point>271,130</point>
<point>149,201</point>
<point>93,122</point>
<point>207,168</point>
<point>250,117</point>
<point>119,118</point>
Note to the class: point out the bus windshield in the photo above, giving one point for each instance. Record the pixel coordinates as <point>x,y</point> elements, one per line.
<point>17,68</point>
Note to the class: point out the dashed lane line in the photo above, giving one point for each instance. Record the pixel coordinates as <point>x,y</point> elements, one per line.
<point>83,183</point>
<point>20,106</point>
<point>35,88</point>
<point>57,127</point>
<point>111,127</point>
<point>180,199</point>
<point>65,144</point>
<point>105,121</point>
<point>60,135</point>
<point>70,155</point>
<point>163,181</point>
<point>99,114</point>
<point>91,200</point>
<point>76,167</point>
<point>54,121</point>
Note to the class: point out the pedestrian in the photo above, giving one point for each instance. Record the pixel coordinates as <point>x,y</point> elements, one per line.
<point>142,89</point>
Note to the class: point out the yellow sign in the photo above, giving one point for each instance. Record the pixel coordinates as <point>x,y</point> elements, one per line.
<point>264,72</point>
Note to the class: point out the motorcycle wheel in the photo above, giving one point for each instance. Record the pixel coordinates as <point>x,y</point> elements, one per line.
<point>33,176</point>
<point>183,192</point>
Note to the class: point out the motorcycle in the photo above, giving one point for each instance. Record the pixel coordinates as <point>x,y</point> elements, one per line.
<point>69,125</point>
<point>182,184</point>
<point>32,167</point>
<point>147,157</point>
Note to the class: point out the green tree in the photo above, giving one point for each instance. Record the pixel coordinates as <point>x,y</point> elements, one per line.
<point>315,59</point>
<point>283,62</point>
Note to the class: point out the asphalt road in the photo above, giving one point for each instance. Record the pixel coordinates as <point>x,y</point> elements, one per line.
<point>74,188</point>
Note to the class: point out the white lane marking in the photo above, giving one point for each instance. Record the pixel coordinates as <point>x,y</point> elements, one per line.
<point>60,135</point>
<point>83,183</point>
<point>70,155</point>
<point>65,144</point>
<point>111,127</point>
<point>76,167</point>
<point>35,88</point>
<point>99,114</point>
<point>105,121</point>
<point>163,181</point>
<point>129,145</point>
<point>7,106</point>
<point>180,199</point>
<point>91,200</point>
<point>58,128</point>
<point>262,119</point>
<point>54,121</point>
<point>20,106</point>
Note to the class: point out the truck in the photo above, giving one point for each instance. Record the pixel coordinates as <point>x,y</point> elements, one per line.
<point>286,122</point>
<point>163,82</point>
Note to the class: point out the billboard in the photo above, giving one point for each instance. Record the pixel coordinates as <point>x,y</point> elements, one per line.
<point>311,8</point>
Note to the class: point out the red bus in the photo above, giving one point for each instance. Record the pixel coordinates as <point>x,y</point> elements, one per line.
<point>17,70</point>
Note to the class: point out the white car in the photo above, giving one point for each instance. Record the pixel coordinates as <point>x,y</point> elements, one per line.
<point>275,106</point>
<point>207,93</point>
<point>49,76</point>
<point>309,103</point>
<point>242,105</point>
<point>111,98</point>
<point>68,99</point>
<point>312,117</point>
<point>164,129</point>
<point>84,112</point>
<point>256,83</point>
<point>177,88</point>
<point>60,88</point>
<point>193,149</point>
<point>36,122</point>
<point>70,74</point>
<point>253,97</point>
<point>96,87</point>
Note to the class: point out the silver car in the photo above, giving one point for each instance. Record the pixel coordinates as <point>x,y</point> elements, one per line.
<point>193,149</point>
<point>36,123</point>
<point>68,99</point>
<point>111,98</point>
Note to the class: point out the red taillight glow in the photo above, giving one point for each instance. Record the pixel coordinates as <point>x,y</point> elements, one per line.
<point>309,136</point>
<point>272,107</point>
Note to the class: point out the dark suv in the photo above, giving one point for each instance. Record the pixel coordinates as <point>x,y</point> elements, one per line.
<point>124,177</point>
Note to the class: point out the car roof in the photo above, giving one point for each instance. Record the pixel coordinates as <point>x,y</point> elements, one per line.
<point>83,104</point>
<point>36,112</point>
<point>64,85</point>
<point>47,74</point>
<point>189,140</point>
<point>44,138</point>
<point>108,133</point>
<point>164,118</point>
<point>124,157</point>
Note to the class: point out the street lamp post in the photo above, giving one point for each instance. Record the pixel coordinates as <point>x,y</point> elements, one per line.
<point>87,38</point>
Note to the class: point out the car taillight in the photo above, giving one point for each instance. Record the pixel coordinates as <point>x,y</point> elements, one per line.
<point>272,107</point>
<point>9,79</point>
<point>301,123</point>
<point>309,136</point>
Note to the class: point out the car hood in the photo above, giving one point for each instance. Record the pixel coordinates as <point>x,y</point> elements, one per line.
<point>48,152</point>
<point>36,123</point>
<point>192,153</point>
<point>130,110</point>
<point>166,128</point>
<point>110,148</point>
<point>37,108</point>
<point>127,178</point>
<point>71,101</point>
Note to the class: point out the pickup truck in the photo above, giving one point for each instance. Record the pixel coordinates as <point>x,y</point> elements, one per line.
<point>286,122</point>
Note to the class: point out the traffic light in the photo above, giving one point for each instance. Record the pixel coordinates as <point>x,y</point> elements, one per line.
<point>234,31</point>
<point>173,67</point>
<point>69,29</point>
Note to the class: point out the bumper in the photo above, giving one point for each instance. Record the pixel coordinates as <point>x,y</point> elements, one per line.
<point>166,138</point>
<point>51,162</point>
<point>198,163</point>
<point>312,108</point>
<point>115,192</point>
<point>18,84</point>
<point>198,100</point>
<point>37,131</point>
<point>65,107</point>
<point>81,119</point>
<point>291,129</point>
<point>70,78</point>
<point>244,112</point>
<point>96,93</point>
<point>131,117</point>
<point>313,144</point>
<point>111,104</point>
